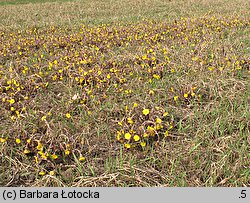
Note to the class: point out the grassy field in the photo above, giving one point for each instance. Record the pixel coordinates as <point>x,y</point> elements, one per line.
<point>125,93</point>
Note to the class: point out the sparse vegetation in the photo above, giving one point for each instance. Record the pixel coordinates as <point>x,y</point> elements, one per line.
<point>100,97</point>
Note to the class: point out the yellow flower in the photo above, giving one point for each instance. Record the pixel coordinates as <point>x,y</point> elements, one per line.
<point>43,118</point>
<point>42,173</point>
<point>130,121</point>
<point>11,101</point>
<point>151,92</point>
<point>145,135</point>
<point>143,144</point>
<point>144,57</point>
<point>135,105</point>
<point>18,141</point>
<point>28,141</point>
<point>176,98</point>
<point>36,159</point>
<point>127,136</point>
<point>211,68</point>
<point>82,158</point>
<point>150,129</point>
<point>2,140</point>
<point>39,146</point>
<point>158,126</point>
<point>165,114</point>
<point>126,108</point>
<point>43,156</point>
<point>158,120</point>
<point>67,152</point>
<point>136,138</point>
<point>145,112</point>
<point>156,76</point>
<point>52,173</point>
<point>166,133</point>
<point>127,145</point>
<point>68,115</point>
<point>185,95</point>
<point>54,156</point>
<point>120,123</point>
<point>26,151</point>
<point>192,94</point>
<point>118,137</point>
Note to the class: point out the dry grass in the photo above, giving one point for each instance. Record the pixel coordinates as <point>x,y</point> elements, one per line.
<point>78,12</point>
<point>68,93</point>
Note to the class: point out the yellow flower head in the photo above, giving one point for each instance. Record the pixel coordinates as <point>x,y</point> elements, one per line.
<point>145,112</point>
<point>136,138</point>
<point>118,137</point>
<point>39,146</point>
<point>2,140</point>
<point>67,152</point>
<point>54,156</point>
<point>82,158</point>
<point>11,101</point>
<point>151,92</point>
<point>130,121</point>
<point>127,136</point>
<point>135,105</point>
<point>143,144</point>
<point>158,126</point>
<point>42,173</point>
<point>52,173</point>
<point>68,115</point>
<point>43,156</point>
<point>127,145</point>
<point>150,129</point>
<point>158,120</point>
<point>18,141</point>
<point>166,133</point>
<point>26,151</point>
<point>156,76</point>
<point>165,114</point>
<point>36,159</point>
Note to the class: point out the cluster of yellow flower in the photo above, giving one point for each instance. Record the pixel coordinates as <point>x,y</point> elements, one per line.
<point>81,68</point>
<point>143,125</point>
